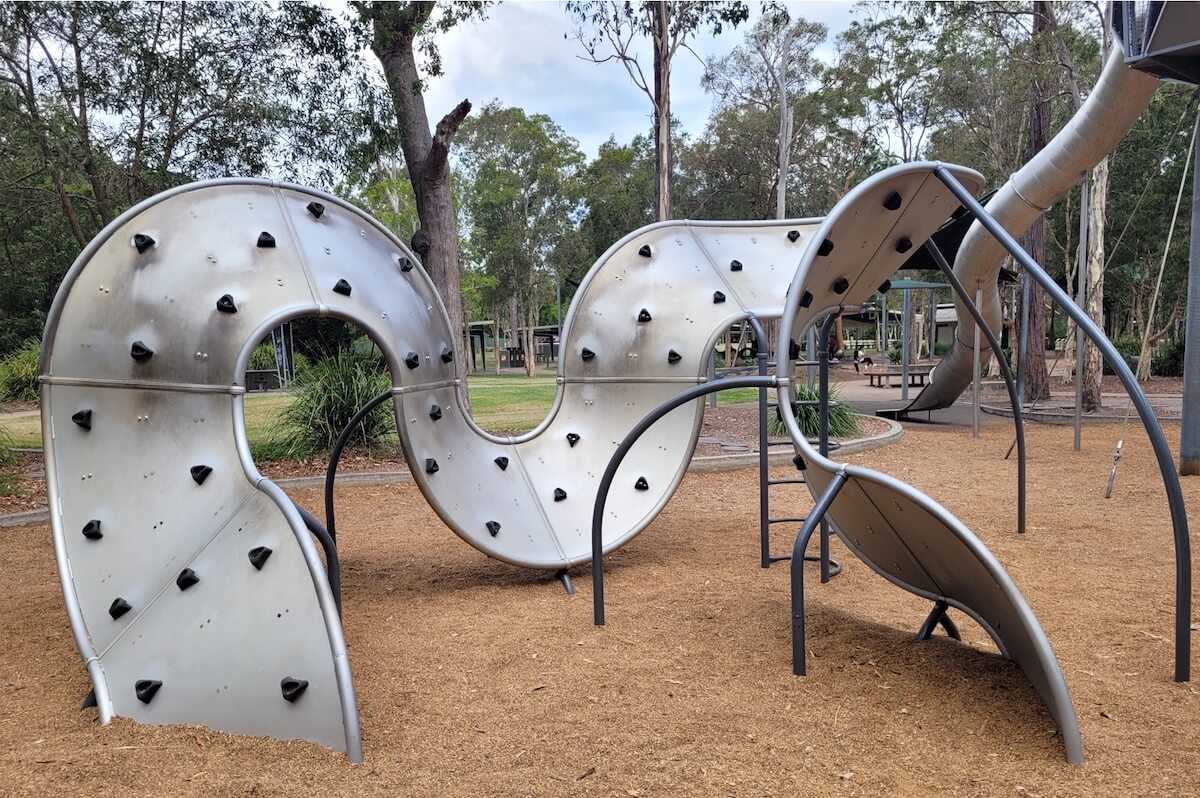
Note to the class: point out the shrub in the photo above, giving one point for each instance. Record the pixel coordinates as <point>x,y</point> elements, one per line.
<point>843,423</point>
<point>332,391</point>
<point>8,459</point>
<point>263,356</point>
<point>1168,360</point>
<point>1130,347</point>
<point>19,373</point>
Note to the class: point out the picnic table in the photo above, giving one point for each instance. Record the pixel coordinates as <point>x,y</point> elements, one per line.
<point>881,376</point>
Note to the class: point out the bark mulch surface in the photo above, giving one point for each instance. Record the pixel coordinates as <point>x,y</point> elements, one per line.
<point>477,678</point>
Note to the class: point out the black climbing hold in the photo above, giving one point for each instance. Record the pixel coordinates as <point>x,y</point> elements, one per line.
<point>674,357</point>
<point>316,209</point>
<point>718,297</point>
<point>572,438</point>
<point>493,527</point>
<point>826,248</point>
<point>266,240</point>
<point>405,265</point>
<point>342,287</point>
<point>83,418</point>
<point>644,316</point>
<point>89,701</point>
<point>645,251</point>
<point>118,608</point>
<point>225,304</point>
<point>885,286</point>
<point>798,461</point>
<point>641,484</point>
<point>586,354</point>
<point>502,461</point>
<point>258,556</point>
<point>146,688</point>
<point>841,285</point>
<point>187,577</point>
<point>431,466</point>
<point>892,201</point>
<point>140,352</point>
<point>412,360</point>
<point>559,494</point>
<point>735,265</point>
<point>904,244</point>
<point>447,354</point>
<point>793,349</point>
<point>91,530</point>
<point>793,235</point>
<point>435,412</point>
<point>806,299</point>
<point>292,688</point>
<point>142,242</point>
<point>200,473</point>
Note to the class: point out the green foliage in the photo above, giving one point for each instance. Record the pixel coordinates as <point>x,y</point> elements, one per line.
<point>19,373</point>
<point>332,391</point>
<point>9,480</point>
<point>843,423</point>
<point>263,356</point>
<point>1130,347</point>
<point>1168,360</point>
<point>942,347</point>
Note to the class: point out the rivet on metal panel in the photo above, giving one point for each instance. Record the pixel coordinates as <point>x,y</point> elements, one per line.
<point>826,248</point>
<point>83,419</point>
<point>140,352</point>
<point>91,530</point>
<point>572,438</point>
<point>118,608</point>
<point>645,251</point>
<point>892,201</point>
<point>447,354</point>
<point>735,265</point>
<point>431,466</point>
<point>142,242</point>
<point>904,244</point>
<point>405,264</point>
<point>502,461</point>
<point>187,577</point>
<point>412,360</point>
<point>435,412</point>
<point>841,285</point>
<point>316,209</point>
<point>493,527</point>
<point>200,473</point>
<point>258,556</point>
<point>265,240</point>
<point>226,305</point>
<point>718,297</point>
<point>644,316</point>
<point>885,286</point>
<point>145,689</point>
<point>342,287</point>
<point>641,484</point>
<point>673,356</point>
<point>793,235</point>
<point>586,354</point>
<point>806,299</point>
<point>559,494</point>
<point>292,688</point>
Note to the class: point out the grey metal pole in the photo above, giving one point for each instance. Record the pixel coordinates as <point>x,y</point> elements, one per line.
<point>712,376</point>
<point>1081,292</point>
<point>976,374</point>
<point>1189,434</point>
<point>823,431</point>
<point>1158,441</point>
<point>764,499</point>
<point>558,301</point>
<point>1009,382</point>
<point>906,323</point>
<point>932,322</point>
<point>797,569</point>
<point>810,349</point>
<point>1023,341</point>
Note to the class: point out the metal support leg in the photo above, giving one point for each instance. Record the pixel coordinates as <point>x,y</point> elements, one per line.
<point>797,568</point>
<point>563,576</point>
<point>336,455</point>
<point>1158,441</point>
<point>823,442</point>
<point>938,617</point>
<point>764,501</point>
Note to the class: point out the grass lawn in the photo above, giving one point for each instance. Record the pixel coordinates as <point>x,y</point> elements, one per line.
<point>508,403</point>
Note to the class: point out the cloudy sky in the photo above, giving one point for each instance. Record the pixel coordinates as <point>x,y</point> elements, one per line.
<point>525,55</point>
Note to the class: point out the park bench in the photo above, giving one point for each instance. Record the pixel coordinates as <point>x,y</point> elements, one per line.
<point>881,376</point>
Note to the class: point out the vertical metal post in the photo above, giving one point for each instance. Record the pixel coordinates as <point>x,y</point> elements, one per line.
<point>712,377</point>
<point>799,666</point>
<point>823,433</point>
<point>976,374</point>
<point>1189,434</point>
<point>558,301</point>
<point>905,322</point>
<point>810,348</point>
<point>1081,293</point>
<point>764,498</point>
<point>932,322</point>
<point>1023,349</point>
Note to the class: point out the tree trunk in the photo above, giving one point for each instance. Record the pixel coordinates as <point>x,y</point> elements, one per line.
<point>426,154</point>
<point>663,160</point>
<point>785,128</point>
<point>1093,362</point>
<point>1037,383</point>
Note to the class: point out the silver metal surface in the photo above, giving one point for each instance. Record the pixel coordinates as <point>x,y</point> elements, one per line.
<point>899,532</point>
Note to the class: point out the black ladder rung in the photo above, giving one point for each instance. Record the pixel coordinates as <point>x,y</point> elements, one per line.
<point>787,519</point>
<point>800,481</point>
